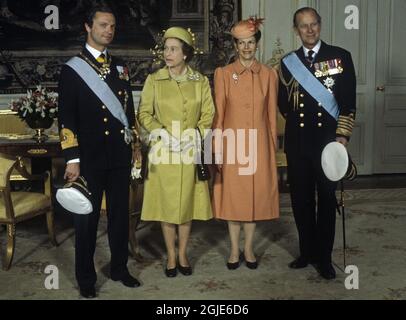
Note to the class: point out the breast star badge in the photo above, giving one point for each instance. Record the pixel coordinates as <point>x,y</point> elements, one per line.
<point>329,82</point>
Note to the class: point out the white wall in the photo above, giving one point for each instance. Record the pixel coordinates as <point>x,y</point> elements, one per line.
<point>278,16</point>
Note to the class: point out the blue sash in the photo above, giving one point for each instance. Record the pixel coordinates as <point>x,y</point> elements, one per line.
<point>102,91</point>
<point>310,83</point>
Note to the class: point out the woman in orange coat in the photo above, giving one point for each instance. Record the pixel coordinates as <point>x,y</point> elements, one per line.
<point>245,187</point>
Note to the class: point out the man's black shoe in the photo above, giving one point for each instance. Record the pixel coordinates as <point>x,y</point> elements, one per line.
<point>327,271</point>
<point>299,263</point>
<point>128,280</point>
<point>88,292</point>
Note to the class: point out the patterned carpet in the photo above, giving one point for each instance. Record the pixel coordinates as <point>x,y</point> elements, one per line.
<point>376,239</point>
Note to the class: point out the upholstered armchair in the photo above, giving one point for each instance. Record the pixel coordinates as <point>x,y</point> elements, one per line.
<point>17,206</point>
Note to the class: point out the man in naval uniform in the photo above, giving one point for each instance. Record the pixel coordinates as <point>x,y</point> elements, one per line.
<point>317,97</point>
<point>96,123</point>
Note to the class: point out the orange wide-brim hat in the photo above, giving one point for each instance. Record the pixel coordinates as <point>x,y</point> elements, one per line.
<point>246,28</point>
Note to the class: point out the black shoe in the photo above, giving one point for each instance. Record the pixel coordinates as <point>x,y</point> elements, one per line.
<point>170,273</point>
<point>235,265</point>
<point>299,263</point>
<point>88,292</point>
<point>327,271</point>
<point>251,265</point>
<point>128,280</point>
<point>186,271</point>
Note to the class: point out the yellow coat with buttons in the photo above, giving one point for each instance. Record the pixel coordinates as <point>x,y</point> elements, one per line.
<point>172,192</point>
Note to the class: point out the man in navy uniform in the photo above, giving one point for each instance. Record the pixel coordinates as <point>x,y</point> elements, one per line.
<point>317,96</point>
<point>96,122</point>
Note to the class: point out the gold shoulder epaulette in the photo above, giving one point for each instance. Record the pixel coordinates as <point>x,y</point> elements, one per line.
<point>68,139</point>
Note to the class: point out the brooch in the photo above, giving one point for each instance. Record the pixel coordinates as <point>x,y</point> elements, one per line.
<point>194,76</point>
<point>235,77</point>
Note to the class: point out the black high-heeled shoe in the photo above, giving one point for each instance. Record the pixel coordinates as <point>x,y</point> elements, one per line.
<point>171,273</point>
<point>235,265</point>
<point>186,271</point>
<point>251,265</point>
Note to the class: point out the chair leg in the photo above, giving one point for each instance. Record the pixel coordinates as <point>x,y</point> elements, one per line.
<point>134,249</point>
<point>11,240</point>
<point>51,228</point>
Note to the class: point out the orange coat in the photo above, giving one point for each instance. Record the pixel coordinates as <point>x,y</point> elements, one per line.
<point>246,98</point>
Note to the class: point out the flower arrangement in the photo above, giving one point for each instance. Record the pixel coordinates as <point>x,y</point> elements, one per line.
<point>38,108</point>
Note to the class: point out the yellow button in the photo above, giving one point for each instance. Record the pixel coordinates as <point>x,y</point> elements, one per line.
<point>120,93</point>
<point>320,104</point>
<point>107,133</point>
<point>103,107</point>
<point>105,120</point>
<point>319,125</point>
<point>302,125</point>
<point>301,95</point>
<point>302,115</point>
<point>301,105</point>
<point>319,114</point>
<point>122,131</point>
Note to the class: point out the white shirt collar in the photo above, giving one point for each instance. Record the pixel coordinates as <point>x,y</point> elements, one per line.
<point>315,49</point>
<point>95,53</point>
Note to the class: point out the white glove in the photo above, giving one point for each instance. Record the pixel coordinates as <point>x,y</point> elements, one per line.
<point>169,141</point>
<point>194,141</point>
<point>136,173</point>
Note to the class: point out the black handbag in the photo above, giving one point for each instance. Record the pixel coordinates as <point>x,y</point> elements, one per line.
<point>203,173</point>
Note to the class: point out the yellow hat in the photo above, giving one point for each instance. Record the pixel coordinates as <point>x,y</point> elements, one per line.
<point>182,34</point>
<point>246,28</point>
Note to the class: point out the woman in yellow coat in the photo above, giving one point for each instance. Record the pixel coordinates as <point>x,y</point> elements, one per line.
<point>176,104</point>
<point>246,101</point>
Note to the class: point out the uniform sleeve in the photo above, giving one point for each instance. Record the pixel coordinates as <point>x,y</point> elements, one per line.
<point>207,110</point>
<point>347,98</point>
<point>220,103</point>
<point>272,105</point>
<point>283,101</point>
<point>130,105</point>
<point>146,109</point>
<point>67,109</point>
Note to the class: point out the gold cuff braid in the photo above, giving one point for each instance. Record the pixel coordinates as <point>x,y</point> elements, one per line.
<point>345,125</point>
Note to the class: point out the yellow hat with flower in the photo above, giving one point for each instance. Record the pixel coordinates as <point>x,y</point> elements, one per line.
<point>182,34</point>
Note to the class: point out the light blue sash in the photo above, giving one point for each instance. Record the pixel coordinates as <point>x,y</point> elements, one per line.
<point>102,91</point>
<point>310,83</point>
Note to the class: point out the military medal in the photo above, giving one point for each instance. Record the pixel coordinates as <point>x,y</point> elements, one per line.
<point>103,71</point>
<point>123,73</point>
<point>329,83</point>
<point>318,72</point>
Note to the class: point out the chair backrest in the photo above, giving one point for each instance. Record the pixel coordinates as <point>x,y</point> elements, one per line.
<point>6,166</point>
